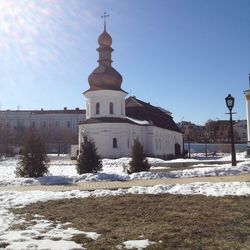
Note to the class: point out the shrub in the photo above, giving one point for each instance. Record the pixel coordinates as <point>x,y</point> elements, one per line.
<point>139,162</point>
<point>34,159</point>
<point>89,161</point>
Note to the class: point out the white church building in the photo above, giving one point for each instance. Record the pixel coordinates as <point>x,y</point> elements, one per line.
<point>113,121</point>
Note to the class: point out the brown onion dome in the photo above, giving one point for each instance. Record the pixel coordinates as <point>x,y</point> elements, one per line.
<point>105,77</point>
<point>105,39</point>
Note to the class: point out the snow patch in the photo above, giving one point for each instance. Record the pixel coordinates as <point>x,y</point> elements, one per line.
<point>138,244</point>
<point>41,235</point>
<point>113,171</point>
<point>140,122</point>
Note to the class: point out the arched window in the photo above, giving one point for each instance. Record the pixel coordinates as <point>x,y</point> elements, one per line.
<point>121,109</point>
<point>114,143</point>
<point>87,109</point>
<point>111,108</point>
<point>97,108</point>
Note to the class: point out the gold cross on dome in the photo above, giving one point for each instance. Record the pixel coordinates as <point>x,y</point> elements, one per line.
<point>105,19</point>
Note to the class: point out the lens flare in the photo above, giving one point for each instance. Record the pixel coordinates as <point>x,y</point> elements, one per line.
<point>38,31</point>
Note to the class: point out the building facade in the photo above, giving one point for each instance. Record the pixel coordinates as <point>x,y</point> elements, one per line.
<point>41,119</point>
<point>58,128</point>
<point>240,127</point>
<point>113,121</point>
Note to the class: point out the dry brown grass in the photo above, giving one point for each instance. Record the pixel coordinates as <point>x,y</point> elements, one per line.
<point>179,222</point>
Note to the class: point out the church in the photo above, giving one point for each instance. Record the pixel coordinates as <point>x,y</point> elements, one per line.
<point>114,121</point>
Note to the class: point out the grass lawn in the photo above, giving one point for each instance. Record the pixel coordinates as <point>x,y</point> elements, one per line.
<point>172,221</point>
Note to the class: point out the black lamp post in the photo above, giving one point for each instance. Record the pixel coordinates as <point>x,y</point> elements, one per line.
<point>205,141</point>
<point>188,139</point>
<point>230,104</point>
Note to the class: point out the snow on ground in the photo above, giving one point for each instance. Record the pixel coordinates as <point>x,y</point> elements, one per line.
<point>40,235</point>
<point>196,172</point>
<point>63,171</point>
<point>138,244</point>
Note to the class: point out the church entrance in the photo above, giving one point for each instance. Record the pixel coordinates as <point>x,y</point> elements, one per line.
<point>177,149</point>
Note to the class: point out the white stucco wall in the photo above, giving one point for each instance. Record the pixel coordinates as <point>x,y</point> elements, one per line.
<point>164,140</point>
<point>104,98</point>
<point>156,141</point>
<point>103,135</point>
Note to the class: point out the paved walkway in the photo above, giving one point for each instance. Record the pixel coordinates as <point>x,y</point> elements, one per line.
<point>89,186</point>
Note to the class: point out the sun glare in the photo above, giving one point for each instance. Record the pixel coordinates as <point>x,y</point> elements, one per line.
<point>20,25</point>
<point>36,31</point>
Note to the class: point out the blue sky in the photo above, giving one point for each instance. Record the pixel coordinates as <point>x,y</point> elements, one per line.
<point>183,55</point>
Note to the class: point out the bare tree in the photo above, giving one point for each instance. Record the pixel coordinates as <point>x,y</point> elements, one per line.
<point>7,139</point>
<point>62,138</point>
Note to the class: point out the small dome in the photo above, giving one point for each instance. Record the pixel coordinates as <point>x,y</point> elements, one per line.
<point>105,39</point>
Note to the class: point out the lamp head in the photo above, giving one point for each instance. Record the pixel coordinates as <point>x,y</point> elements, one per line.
<point>229,102</point>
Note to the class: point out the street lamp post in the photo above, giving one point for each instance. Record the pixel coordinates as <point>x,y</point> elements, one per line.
<point>230,104</point>
<point>205,141</point>
<point>189,154</point>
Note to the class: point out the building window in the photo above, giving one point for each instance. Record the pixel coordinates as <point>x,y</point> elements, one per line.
<point>68,124</point>
<point>33,124</point>
<point>56,124</point>
<point>97,108</point>
<point>20,123</point>
<point>87,109</point>
<point>44,124</point>
<point>114,143</point>
<point>111,108</point>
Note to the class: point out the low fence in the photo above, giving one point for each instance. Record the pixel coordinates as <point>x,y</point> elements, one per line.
<point>214,148</point>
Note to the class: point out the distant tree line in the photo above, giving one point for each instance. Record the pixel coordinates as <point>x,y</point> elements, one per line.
<point>211,132</point>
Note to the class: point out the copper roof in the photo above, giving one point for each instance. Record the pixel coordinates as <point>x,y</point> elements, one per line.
<point>105,39</point>
<point>140,110</point>
<point>105,77</point>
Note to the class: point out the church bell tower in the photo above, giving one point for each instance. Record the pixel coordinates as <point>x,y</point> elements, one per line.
<point>105,98</point>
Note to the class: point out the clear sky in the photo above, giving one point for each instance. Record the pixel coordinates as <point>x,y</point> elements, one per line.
<point>183,55</point>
